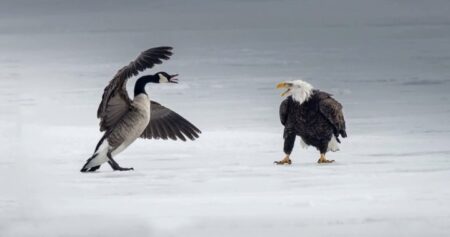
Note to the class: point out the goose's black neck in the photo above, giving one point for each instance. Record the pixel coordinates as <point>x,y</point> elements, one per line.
<point>139,87</point>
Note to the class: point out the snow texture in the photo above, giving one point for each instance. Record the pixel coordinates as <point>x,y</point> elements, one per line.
<point>387,62</point>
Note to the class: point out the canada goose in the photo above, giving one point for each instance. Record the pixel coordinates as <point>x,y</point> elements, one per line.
<point>124,120</point>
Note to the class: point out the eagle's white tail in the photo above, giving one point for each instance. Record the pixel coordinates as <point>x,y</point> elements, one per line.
<point>333,145</point>
<point>99,157</point>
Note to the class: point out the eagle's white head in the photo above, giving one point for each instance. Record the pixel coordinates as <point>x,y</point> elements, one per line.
<point>298,89</point>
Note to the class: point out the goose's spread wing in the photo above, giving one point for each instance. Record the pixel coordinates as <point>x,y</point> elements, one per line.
<point>164,123</point>
<point>332,110</point>
<point>115,101</point>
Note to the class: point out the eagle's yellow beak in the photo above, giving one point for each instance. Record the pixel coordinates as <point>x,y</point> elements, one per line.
<point>284,85</point>
<point>281,85</point>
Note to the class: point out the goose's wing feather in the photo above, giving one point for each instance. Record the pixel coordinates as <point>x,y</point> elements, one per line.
<point>116,108</point>
<point>115,101</point>
<point>166,124</point>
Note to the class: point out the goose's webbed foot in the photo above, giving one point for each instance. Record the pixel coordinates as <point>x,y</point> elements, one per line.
<point>115,166</point>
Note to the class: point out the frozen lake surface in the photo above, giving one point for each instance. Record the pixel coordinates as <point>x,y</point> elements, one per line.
<point>387,62</point>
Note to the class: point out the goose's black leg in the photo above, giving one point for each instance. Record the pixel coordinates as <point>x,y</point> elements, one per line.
<point>114,164</point>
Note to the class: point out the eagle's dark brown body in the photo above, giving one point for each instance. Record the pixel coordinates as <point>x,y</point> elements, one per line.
<point>315,120</point>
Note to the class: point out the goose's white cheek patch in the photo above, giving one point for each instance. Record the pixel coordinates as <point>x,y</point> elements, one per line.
<point>163,79</point>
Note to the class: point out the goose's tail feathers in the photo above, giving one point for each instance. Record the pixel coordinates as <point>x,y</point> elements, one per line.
<point>99,157</point>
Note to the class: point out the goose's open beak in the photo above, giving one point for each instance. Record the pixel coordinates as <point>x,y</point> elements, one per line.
<point>173,78</point>
<point>284,85</point>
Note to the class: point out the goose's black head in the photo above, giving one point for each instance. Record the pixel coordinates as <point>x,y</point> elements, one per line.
<point>160,77</point>
<point>164,77</point>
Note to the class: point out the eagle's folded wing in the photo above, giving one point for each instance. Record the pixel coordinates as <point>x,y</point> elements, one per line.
<point>332,110</point>
<point>284,111</point>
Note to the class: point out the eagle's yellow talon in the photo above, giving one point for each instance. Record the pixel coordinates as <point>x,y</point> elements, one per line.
<point>323,160</point>
<point>284,161</point>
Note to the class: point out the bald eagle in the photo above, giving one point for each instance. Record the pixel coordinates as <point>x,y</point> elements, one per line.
<point>314,116</point>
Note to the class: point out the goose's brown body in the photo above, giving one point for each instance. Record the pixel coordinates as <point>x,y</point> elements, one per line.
<point>131,126</point>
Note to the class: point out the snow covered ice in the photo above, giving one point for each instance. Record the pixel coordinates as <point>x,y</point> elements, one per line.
<point>388,62</point>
